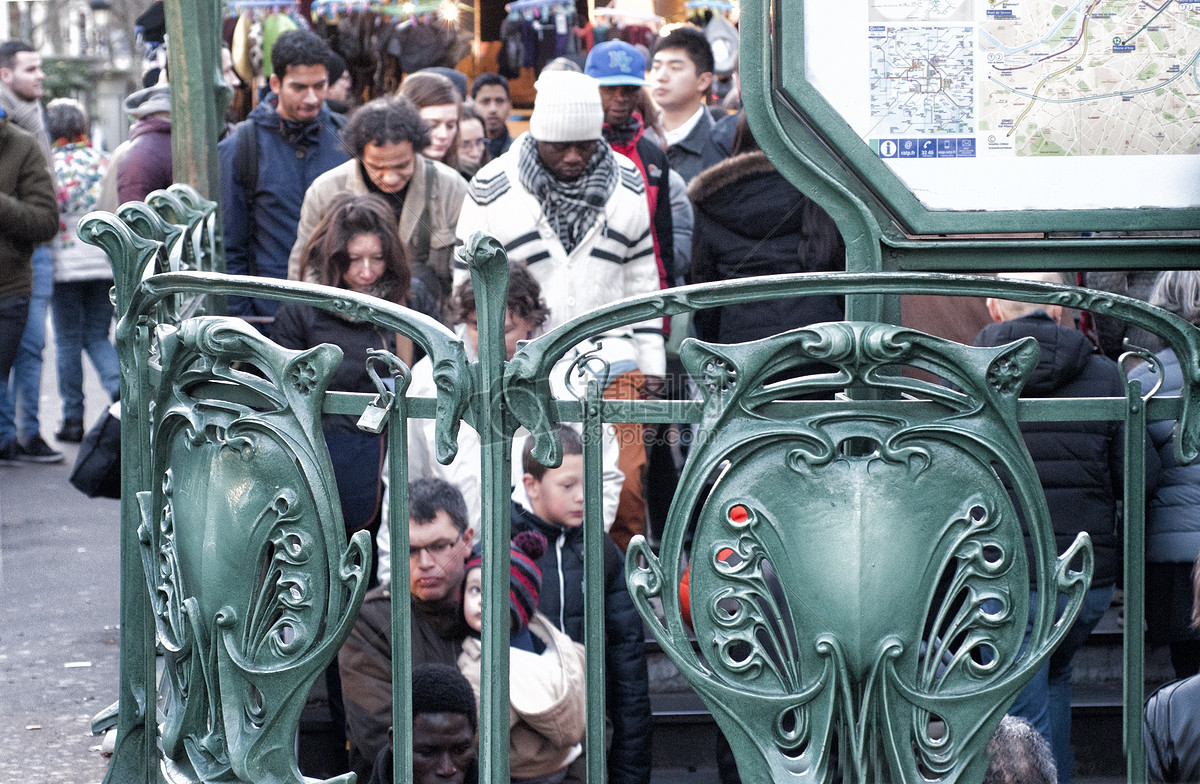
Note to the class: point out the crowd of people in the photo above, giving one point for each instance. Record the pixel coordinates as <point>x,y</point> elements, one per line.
<point>626,182</point>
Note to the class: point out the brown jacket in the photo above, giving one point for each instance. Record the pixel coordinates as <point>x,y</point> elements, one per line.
<point>365,662</point>
<point>28,208</point>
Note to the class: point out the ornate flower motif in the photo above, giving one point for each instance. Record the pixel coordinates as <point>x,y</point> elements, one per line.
<point>303,377</point>
<point>719,376</point>
<point>1004,375</point>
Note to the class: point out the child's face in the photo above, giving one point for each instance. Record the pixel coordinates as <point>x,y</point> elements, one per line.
<point>558,497</point>
<point>472,600</point>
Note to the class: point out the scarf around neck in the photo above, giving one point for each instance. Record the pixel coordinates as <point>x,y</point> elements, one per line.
<point>570,207</point>
<point>624,136</point>
<point>28,116</point>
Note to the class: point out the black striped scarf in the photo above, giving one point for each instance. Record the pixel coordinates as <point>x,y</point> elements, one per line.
<point>571,207</point>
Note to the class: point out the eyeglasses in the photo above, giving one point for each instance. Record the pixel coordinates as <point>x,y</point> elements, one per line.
<point>437,550</point>
<point>472,144</point>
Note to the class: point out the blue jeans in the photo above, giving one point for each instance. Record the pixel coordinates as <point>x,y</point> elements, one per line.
<point>1046,700</point>
<point>21,395</point>
<point>83,315</point>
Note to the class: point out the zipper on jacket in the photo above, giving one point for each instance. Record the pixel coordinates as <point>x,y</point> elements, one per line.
<point>562,599</point>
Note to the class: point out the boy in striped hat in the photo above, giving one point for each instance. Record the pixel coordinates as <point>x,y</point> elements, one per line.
<point>546,669</point>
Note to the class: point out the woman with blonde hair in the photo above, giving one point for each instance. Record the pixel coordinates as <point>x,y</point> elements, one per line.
<point>440,105</point>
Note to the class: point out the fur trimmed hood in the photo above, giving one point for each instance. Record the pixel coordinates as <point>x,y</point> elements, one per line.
<point>727,172</point>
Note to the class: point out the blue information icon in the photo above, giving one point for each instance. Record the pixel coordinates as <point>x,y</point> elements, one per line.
<point>947,148</point>
<point>927,148</point>
<point>966,148</point>
<point>908,148</point>
<point>887,148</point>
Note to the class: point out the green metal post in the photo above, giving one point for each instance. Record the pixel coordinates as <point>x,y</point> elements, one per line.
<point>1135,581</point>
<point>135,756</point>
<point>199,94</point>
<point>402,757</point>
<point>593,581</point>
<point>492,421</point>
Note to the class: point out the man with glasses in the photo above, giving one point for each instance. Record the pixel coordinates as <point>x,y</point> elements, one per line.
<point>440,540</point>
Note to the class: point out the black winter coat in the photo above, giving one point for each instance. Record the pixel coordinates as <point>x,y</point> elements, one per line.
<point>751,221</point>
<point>301,327</point>
<point>561,600</point>
<point>1080,464</point>
<point>1172,732</point>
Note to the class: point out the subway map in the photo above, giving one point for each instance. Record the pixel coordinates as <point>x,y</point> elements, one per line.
<point>922,79</point>
<point>1089,77</point>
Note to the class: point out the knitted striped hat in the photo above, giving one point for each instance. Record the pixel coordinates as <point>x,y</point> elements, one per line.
<point>524,576</point>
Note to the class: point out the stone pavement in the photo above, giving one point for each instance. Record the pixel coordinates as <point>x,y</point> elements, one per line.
<point>58,611</point>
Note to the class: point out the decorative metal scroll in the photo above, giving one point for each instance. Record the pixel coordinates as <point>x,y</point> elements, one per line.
<point>528,394</point>
<point>251,589</point>
<point>234,557</point>
<point>450,370</point>
<point>860,587</point>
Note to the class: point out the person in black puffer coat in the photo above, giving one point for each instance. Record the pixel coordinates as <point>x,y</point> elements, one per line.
<point>1173,514</point>
<point>749,220</point>
<point>1080,465</point>
<point>627,697</point>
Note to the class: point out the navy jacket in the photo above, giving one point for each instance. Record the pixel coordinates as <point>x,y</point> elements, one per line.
<point>1080,464</point>
<point>561,600</point>
<point>260,244</point>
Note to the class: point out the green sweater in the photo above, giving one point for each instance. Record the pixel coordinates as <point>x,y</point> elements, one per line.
<point>28,208</point>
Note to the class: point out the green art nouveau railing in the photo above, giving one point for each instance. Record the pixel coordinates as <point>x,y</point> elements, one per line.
<point>858,582</point>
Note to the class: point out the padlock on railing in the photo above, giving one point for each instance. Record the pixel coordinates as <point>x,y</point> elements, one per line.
<point>374,417</point>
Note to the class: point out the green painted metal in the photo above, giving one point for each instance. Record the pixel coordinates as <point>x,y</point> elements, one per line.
<point>489,273</point>
<point>817,555</point>
<point>843,566</point>
<point>199,94</point>
<point>1134,519</point>
<point>247,626</point>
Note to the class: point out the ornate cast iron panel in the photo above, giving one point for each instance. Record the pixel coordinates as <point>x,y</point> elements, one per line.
<point>860,585</point>
<point>252,587</point>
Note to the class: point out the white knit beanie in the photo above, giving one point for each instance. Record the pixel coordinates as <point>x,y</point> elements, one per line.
<point>566,108</point>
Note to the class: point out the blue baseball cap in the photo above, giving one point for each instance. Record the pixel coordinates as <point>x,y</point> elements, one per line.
<point>616,63</point>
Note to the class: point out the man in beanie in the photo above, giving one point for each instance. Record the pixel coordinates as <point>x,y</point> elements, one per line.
<point>574,211</point>
<point>547,688</point>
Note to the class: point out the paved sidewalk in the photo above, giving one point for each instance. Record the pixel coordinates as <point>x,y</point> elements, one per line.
<point>58,610</point>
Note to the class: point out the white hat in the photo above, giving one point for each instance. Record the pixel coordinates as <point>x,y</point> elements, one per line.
<point>566,108</point>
